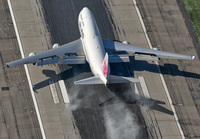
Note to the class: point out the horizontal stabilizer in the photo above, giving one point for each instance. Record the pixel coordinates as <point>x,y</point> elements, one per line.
<point>112,80</point>
<point>91,80</point>
<point>120,79</point>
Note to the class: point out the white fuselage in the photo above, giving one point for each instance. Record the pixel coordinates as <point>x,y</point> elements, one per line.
<point>92,43</point>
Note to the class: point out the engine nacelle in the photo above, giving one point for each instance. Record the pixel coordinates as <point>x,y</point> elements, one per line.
<point>126,42</point>
<point>56,45</point>
<point>156,49</point>
<point>31,54</point>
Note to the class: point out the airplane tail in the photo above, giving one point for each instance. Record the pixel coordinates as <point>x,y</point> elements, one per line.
<point>105,66</point>
<point>109,79</point>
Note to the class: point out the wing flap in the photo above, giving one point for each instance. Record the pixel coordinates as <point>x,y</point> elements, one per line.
<point>72,47</point>
<point>117,46</point>
<point>118,58</point>
<point>74,60</point>
<point>65,60</point>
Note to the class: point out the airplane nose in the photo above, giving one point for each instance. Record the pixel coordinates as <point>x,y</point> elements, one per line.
<point>85,8</point>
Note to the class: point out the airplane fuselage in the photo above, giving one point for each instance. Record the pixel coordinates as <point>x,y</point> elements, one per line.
<point>92,43</point>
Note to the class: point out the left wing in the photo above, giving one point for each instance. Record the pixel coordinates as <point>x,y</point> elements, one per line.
<point>54,56</point>
<point>108,44</point>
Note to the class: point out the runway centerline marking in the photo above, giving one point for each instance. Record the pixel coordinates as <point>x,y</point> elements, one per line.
<point>26,70</point>
<point>54,92</point>
<point>159,71</point>
<point>144,87</point>
<point>64,91</point>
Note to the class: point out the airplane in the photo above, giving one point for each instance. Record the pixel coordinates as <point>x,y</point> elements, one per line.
<point>95,53</point>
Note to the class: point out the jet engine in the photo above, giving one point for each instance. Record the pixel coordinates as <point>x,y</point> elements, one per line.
<point>56,45</point>
<point>31,54</point>
<point>126,42</point>
<point>156,49</point>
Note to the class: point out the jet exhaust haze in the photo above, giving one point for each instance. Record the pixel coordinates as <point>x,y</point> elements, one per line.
<point>120,122</point>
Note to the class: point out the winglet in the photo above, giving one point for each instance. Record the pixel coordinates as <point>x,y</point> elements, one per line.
<point>105,66</point>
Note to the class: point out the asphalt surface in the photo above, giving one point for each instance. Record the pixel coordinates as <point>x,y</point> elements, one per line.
<point>96,111</point>
<point>17,113</point>
<point>91,104</point>
<point>170,29</point>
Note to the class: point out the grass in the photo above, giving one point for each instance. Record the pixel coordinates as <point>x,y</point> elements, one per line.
<point>193,8</point>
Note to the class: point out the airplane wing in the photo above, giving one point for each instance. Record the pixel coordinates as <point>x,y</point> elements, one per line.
<point>117,46</point>
<point>55,55</point>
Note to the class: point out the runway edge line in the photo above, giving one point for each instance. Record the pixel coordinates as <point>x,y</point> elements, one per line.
<point>161,76</point>
<point>26,70</point>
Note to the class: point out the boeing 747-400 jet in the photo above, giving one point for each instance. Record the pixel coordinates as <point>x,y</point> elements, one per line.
<point>95,53</point>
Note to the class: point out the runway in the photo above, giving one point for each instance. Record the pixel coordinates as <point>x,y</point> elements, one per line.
<point>85,100</point>
<point>167,27</point>
<point>17,113</point>
<point>94,111</point>
<point>121,29</point>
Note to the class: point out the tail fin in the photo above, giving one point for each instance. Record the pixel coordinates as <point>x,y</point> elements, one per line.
<point>105,66</point>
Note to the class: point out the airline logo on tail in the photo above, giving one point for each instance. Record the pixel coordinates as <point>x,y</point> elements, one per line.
<point>104,68</point>
<point>105,65</point>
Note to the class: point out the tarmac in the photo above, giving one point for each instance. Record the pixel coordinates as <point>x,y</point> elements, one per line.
<point>170,29</point>
<point>141,110</point>
<point>17,113</point>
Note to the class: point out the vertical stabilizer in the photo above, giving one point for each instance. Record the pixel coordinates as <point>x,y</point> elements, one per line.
<point>105,66</point>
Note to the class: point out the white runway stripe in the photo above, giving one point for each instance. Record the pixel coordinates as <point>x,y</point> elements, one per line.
<point>64,91</point>
<point>161,76</point>
<point>144,87</point>
<point>54,92</point>
<point>27,72</point>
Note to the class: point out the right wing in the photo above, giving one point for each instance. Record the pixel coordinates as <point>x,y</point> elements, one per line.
<point>54,56</point>
<point>117,46</point>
